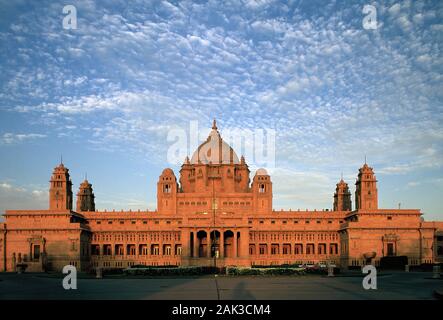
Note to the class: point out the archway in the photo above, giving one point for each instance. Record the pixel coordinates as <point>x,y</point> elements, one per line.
<point>215,243</point>
<point>202,239</point>
<point>229,244</point>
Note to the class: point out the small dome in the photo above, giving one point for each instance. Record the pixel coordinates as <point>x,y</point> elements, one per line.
<point>261,172</point>
<point>167,172</point>
<point>214,150</point>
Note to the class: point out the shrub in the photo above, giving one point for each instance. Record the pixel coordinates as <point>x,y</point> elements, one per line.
<point>244,271</point>
<point>169,271</point>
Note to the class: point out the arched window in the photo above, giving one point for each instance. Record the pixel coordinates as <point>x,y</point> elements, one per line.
<point>261,188</point>
<point>167,188</point>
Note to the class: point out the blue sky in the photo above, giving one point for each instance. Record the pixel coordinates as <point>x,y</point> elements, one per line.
<point>106,95</point>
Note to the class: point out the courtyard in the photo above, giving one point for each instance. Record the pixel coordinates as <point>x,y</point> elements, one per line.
<point>392,285</point>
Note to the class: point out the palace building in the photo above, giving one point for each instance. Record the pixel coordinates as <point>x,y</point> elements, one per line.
<point>214,215</point>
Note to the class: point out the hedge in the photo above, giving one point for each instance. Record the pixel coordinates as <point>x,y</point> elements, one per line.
<point>173,271</point>
<point>243,271</point>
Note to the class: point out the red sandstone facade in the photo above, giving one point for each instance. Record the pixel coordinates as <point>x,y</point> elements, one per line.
<point>213,215</point>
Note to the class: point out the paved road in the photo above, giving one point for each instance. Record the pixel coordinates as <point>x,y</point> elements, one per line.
<point>390,286</point>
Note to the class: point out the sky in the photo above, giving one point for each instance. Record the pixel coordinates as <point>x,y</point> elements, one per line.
<point>107,94</point>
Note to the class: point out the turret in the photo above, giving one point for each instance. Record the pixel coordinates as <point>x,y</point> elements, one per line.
<point>85,197</point>
<point>342,197</point>
<point>366,189</point>
<point>60,189</point>
<point>262,192</point>
<point>167,192</point>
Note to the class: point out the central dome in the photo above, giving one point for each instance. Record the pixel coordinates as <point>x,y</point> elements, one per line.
<point>214,150</point>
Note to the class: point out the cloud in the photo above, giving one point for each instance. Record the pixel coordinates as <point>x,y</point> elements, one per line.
<point>16,197</point>
<point>332,90</point>
<point>13,138</point>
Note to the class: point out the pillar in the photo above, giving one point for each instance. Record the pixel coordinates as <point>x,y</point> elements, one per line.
<point>161,253</point>
<point>208,243</point>
<point>222,244</point>
<point>196,245</point>
<point>185,241</point>
<point>4,249</point>
<point>235,244</point>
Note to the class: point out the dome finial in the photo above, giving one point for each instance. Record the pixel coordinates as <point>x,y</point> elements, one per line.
<point>214,125</point>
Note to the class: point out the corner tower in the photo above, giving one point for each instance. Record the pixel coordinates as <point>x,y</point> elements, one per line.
<point>60,189</point>
<point>167,189</point>
<point>366,189</point>
<point>262,192</point>
<point>342,197</point>
<point>85,197</point>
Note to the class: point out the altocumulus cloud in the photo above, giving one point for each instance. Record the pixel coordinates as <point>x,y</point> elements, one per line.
<point>331,90</point>
<point>12,138</point>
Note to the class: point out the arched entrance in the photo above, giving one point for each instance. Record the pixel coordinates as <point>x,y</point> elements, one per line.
<point>229,244</point>
<point>202,239</point>
<point>215,243</point>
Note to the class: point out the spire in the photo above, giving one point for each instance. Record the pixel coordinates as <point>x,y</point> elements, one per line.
<point>61,158</point>
<point>342,176</point>
<point>365,159</point>
<point>214,125</point>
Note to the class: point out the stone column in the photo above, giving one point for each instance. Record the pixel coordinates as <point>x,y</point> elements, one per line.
<point>208,243</point>
<point>222,244</point>
<point>185,240</point>
<point>137,243</point>
<point>173,244</point>
<point>196,245</point>
<point>160,244</point>
<point>235,244</point>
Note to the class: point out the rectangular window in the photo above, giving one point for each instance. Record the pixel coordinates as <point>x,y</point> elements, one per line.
<point>36,254</point>
<point>263,249</point>
<point>310,249</point>
<point>274,249</point>
<point>391,249</point>
<point>298,249</point>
